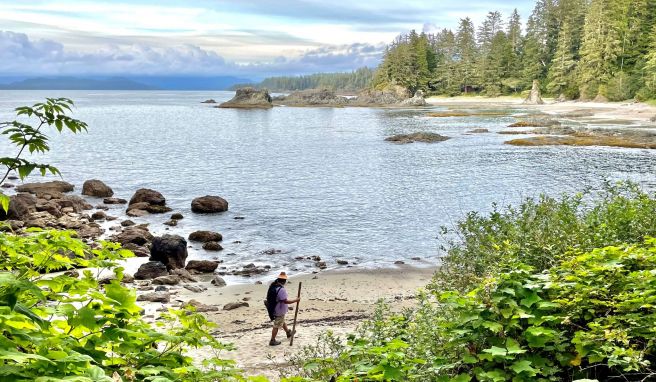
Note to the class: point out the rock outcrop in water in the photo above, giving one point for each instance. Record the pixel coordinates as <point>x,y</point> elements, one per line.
<point>312,97</point>
<point>97,188</point>
<point>209,204</point>
<point>417,137</point>
<point>249,98</point>
<point>146,201</point>
<point>171,250</point>
<point>56,186</point>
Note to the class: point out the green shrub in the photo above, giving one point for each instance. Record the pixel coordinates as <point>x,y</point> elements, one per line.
<point>540,230</point>
<point>58,327</point>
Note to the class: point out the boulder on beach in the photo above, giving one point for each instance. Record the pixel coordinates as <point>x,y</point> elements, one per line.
<point>97,188</point>
<point>20,207</point>
<point>134,234</point>
<point>534,97</point>
<point>145,201</point>
<point>202,266</point>
<point>249,98</point>
<point>218,281</point>
<point>205,236</point>
<point>146,195</point>
<point>56,186</point>
<point>416,137</point>
<point>209,204</point>
<point>235,305</point>
<point>114,201</point>
<point>151,270</point>
<point>417,100</point>
<point>212,246</point>
<point>170,250</point>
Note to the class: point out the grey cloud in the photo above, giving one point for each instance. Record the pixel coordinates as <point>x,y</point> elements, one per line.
<point>20,55</point>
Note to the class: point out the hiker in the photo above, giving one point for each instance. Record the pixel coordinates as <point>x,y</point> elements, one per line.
<point>277,307</point>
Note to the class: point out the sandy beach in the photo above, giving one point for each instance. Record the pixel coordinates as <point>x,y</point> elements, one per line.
<point>634,112</point>
<point>332,300</point>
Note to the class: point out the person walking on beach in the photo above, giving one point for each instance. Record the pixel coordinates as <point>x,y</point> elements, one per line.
<point>277,302</point>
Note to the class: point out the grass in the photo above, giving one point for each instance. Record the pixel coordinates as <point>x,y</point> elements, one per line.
<point>585,140</point>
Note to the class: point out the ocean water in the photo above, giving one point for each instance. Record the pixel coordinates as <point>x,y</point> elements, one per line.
<point>313,181</point>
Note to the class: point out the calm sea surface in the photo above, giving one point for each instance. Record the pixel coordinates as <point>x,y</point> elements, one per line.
<point>313,181</point>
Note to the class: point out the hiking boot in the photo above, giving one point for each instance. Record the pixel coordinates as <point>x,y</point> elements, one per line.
<point>290,333</point>
<point>274,343</point>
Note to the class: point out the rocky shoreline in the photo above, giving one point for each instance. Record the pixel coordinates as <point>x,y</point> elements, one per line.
<point>395,96</point>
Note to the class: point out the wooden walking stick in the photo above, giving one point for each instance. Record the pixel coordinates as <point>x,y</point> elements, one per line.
<point>291,341</point>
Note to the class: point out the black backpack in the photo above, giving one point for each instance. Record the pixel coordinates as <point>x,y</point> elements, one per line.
<point>272,299</point>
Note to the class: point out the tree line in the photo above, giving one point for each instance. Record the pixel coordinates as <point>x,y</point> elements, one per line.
<point>352,81</point>
<point>587,49</point>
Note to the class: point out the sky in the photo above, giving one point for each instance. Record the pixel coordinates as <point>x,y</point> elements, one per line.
<point>251,39</point>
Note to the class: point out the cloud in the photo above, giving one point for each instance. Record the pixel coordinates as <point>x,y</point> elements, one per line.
<point>20,55</point>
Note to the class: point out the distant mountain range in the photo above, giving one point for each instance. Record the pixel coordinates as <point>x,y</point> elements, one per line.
<point>121,83</point>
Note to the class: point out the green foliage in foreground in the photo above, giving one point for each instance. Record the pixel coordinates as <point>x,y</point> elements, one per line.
<point>58,327</point>
<point>26,132</point>
<point>555,290</point>
<point>590,316</point>
<point>540,230</point>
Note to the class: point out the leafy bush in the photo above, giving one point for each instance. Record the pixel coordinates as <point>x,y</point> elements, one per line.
<point>590,316</point>
<point>540,230</point>
<point>58,327</point>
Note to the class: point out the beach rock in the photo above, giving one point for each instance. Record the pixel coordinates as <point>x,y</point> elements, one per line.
<point>13,177</point>
<point>166,280</point>
<point>342,262</point>
<point>151,270</point>
<point>399,262</point>
<point>161,288</point>
<point>135,235</point>
<point>99,215</point>
<point>56,186</point>
<point>249,98</point>
<point>205,236</point>
<point>171,223</point>
<point>73,201</point>
<point>534,97</point>
<point>7,185</point>
<point>177,216</point>
<point>20,207</point>
<point>212,246</point>
<point>209,204</point>
<point>478,131</point>
<point>114,201</point>
<point>201,266</point>
<point>416,137</point>
<point>184,275</point>
<point>138,250</point>
<point>137,213</point>
<point>417,100</point>
<point>218,281</point>
<point>653,119</point>
<point>127,223</point>
<point>145,195</point>
<point>11,225</point>
<point>195,288</point>
<point>209,101</point>
<point>251,270</point>
<point>321,264</point>
<point>97,188</point>
<point>89,231</point>
<point>163,297</point>
<point>313,97</point>
<point>235,305</point>
<point>391,95</point>
<point>40,219</point>
<point>170,250</point>
<point>201,308</point>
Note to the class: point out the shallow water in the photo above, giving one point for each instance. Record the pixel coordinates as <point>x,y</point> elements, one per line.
<point>314,181</point>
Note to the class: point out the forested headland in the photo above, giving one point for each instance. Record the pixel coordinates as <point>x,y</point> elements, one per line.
<point>603,49</point>
<point>353,81</point>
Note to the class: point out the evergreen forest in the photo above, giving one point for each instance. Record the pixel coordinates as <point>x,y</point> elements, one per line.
<point>576,49</point>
